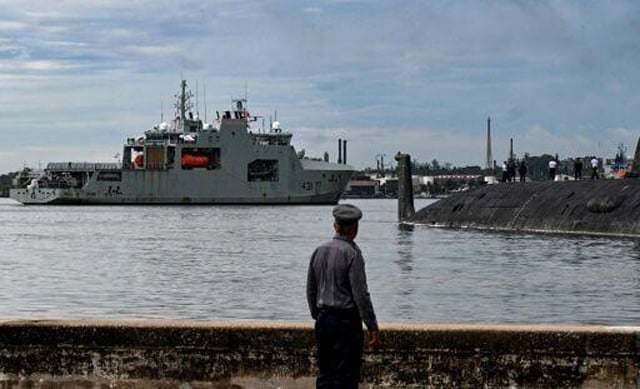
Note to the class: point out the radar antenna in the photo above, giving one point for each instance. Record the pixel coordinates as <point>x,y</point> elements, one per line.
<point>183,103</point>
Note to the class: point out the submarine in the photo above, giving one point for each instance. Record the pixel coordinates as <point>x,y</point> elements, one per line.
<point>586,207</point>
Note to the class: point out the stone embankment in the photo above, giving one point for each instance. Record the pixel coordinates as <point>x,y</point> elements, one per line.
<point>101,354</point>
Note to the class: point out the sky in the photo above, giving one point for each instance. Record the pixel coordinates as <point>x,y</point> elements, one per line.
<point>77,78</point>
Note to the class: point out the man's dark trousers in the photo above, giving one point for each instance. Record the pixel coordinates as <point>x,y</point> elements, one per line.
<point>339,340</point>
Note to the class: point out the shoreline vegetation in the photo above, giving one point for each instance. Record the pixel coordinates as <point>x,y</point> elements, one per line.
<point>6,181</point>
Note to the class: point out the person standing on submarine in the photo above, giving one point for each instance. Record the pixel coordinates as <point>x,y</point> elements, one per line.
<point>339,301</point>
<point>577,169</point>
<point>505,172</point>
<point>595,164</point>
<point>553,164</point>
<point>522,171</point>
<point>511,170</point>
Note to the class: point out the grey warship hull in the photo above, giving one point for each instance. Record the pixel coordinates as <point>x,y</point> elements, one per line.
<point>191,162</point>
<point>123,194</point>
<point>192,188</point>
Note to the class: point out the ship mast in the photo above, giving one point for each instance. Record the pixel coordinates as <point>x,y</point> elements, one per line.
<point>183,100</point>
<point>183,104</point>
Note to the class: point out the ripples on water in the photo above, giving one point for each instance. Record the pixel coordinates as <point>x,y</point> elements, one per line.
<point>248,262</point>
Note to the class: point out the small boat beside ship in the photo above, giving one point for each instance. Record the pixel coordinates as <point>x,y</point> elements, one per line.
<point>188,161</point>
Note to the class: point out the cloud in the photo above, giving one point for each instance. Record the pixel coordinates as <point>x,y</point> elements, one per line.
<point>40,66</point>
<point>538,140</point>
<point>32,156</point>
<point>11,26</point>
<point>421,77</point>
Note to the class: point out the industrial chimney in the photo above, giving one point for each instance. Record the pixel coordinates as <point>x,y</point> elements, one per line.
<point>489,164</point>
<point>344,151</point>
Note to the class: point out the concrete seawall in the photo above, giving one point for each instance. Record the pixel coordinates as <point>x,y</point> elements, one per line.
<point>96,354</point>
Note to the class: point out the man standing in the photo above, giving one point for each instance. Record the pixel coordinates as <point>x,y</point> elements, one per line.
<point>505,172</point>
<point>552,169</point>
<point>522,170</point>
<point>577,169</point>
<point>511,168</point>
<point>594,168</point>
<point>339,301</point>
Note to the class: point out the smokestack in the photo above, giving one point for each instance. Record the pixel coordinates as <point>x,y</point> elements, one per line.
<point>489,156</point>
<point>339,150</point>
<point>344,152</point>
<point>511,148</point>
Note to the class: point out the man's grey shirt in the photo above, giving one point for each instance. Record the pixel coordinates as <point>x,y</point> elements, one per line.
<point>337,280</point>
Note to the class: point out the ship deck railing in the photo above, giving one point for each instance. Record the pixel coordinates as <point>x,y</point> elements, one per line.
<point>81,166</point>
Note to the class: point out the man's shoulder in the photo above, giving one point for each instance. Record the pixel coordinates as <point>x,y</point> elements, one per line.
<point>339,244</point>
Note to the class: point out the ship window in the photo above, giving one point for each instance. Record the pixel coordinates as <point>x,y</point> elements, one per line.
<point>201,157</point>
<point>263,170</point>
<point>109,176</point>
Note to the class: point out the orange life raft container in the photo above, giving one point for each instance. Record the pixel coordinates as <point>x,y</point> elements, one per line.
<point>190,160</point>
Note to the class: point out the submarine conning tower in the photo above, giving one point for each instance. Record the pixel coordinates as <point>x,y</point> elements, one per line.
<point>405,188</point>
<point>585,207</point>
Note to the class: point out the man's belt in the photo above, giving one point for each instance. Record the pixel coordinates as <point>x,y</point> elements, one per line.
<point>341,312</point>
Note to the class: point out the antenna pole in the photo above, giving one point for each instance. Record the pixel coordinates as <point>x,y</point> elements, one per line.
<point>489,155</point>
<point>204,96</point>
<point>197,102</point>
<point>183,100</point>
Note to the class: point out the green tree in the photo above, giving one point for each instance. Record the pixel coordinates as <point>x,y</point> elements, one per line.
<point>6,181</point>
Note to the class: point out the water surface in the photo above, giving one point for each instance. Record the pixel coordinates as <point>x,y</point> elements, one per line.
<point>250,262</point>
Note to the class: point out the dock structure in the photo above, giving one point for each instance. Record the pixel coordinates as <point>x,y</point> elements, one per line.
<point>150,354</point>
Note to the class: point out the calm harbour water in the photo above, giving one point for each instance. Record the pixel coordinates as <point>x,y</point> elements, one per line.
<point>249,262</point>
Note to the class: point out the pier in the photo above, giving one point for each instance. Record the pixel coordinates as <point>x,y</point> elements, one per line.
<point>71,354</point>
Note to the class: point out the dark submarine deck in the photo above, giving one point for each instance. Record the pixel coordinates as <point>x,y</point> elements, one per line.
<point>598,207</point>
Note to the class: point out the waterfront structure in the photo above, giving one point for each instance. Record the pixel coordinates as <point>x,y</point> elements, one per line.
<point>362,187</point>
<point>191,162</point>
<point>489,162</point>
<point>253,354</point>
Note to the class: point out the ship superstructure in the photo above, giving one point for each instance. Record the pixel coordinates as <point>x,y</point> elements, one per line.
<point>188,161</point>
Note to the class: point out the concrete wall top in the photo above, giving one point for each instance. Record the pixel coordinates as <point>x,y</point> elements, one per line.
<point>282,325</point>
<point>410,355</point>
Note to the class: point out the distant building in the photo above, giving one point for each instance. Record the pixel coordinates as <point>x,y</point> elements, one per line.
<point>362,187</point>
<point>390,187</point>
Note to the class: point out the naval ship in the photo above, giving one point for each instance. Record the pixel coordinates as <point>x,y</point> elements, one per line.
<point>187,161</point>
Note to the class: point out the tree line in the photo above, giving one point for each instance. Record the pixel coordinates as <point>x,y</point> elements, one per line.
<point>6,181</point>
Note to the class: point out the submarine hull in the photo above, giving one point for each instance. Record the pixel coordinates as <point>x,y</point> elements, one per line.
<point>596,207</point>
